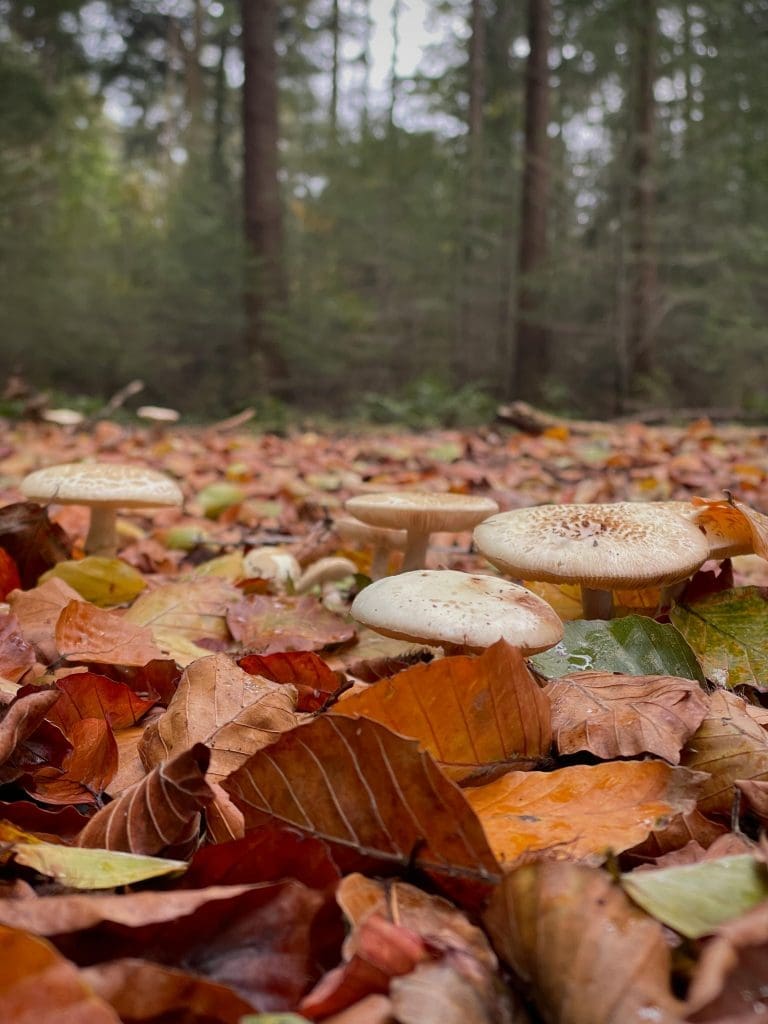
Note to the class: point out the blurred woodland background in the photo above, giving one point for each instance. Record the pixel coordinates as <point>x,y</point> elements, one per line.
<point>397,209</point>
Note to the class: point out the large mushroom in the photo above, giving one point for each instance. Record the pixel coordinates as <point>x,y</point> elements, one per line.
<point>600,547</point>
<point>421,513</point>
<point>104,487</point>
<point>461,612</point>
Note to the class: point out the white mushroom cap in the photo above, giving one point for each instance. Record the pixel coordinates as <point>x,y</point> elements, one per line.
<point>324,571</point>
<point>270,563</point>
<point>457,610</point>
<point>357,531</point>
<point>63,417</point>
<point>599,546</point>
<point>101,483</point>
<point>104,487</point>
<point>421,513</point>
<point>158,414</point>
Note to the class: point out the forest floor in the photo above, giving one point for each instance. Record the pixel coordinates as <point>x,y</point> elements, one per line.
<point>304,817</point>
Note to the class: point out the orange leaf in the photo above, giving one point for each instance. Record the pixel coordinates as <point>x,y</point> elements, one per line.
<point>86,633</point>
<point>315,682</point>
<point>16,655</point>
<point>467,712</point>
<point>89,695</point>
<point>38,611</point>
<point>9,574</point>
<point>267,625</point>
<point>86,770</point>
<point>583,812</point>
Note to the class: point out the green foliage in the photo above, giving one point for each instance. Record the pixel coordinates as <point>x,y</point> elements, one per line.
<point>429,402</point>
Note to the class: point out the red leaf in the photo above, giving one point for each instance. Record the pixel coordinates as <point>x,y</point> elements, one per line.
<point>313,679</point>
<point>9,574</point>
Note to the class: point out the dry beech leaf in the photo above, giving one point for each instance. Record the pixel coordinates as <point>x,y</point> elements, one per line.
<point>758,528</point>
<point>467,712</point>
<point>219,704</point>
<point>89,695</point>
<point>623,716</point>
<point>89,634</point>
<point>729,744</point>
<point>19,721</point>
<point>314,680</point>
<point>192,609</point>
<point>262,941</point>
<point>61,824</point>
<point>223,820</point>
<point>157,813</point>
<point>438,993</point>
<point>39,986</point>
<point>130,768</point>
<point>730,844</point>
<point>16,654</point>
<point>728,985</point>
<point>361,787</point>
<point>583,812</point>
<point>267,624</point>
<point>142,991</point>
<point>726,524</point>
<point>86,770</point>
<point>756,797</point>
<point>589,955</point>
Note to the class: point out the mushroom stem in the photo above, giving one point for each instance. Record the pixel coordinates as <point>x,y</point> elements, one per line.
<point>102,533</point>
<point>380,561</point>
<point>596,604</point>
<point>415,556</point>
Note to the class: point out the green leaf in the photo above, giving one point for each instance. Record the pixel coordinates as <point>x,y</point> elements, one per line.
<point>93,869</point>
<point>729,633</point>
<point>634,646</point>
<point>217,498</point>
<point>695,898</point>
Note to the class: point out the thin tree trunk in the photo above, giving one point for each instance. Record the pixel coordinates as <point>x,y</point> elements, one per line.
<point>194,76</point>
<point>333,106</point>
<point>467,339</point>
<point>365,117</point>
<point>394,84</point>
<point>265,292</point>
<point>218,164</point>
<point>531,336</point>
<point>643,299</point>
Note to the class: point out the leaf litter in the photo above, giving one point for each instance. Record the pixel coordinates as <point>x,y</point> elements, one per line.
<point>218,798</point>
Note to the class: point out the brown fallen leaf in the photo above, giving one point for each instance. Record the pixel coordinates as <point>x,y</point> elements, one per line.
<point>623,716</point>
<point>16,655</point>
<point>32,540</point>
<point>90,695</point>
<point>468,713</point>
<point>438,993</point>
<point>758,527</point>
<point>19,722</point>
<point>61,824</point>
<point>583,812</point>
<point>729,982</point>
<point>314,681</point>
<point>588,954</point>
<point>85,633</point>
<point>39,986</point>
<point>729,745</point>
<point>141,991</point>
<point>755,793</point>
<point>86,770</point>
<point>156,814</point>
<point>731,844</point>
<point>681,830</point>
<point>357,785</point>
<point>266,624</point>
<point>219,704</point>
<point>223,820</point>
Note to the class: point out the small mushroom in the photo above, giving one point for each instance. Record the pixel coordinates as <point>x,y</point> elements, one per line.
<point>104,487</point>
<point>600,547</point>
<point>381,540</point>
<point>274,564</point>
<point>420,514</point>
<point>159,418</point>
<point>459,611</point>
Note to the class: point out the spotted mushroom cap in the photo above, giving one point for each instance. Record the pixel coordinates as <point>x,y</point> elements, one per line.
<point>101,483</point>
<point>442,606</point>
<point>422,510</point>
<point>603,547</point>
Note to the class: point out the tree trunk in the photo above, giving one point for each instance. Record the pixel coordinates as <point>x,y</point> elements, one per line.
<point>394,84</point>
<point>531,336</point>
<point>265,291</point>
<point>468,340</point>
<point>218,163</point>
<point>643,300</point>
<point>333,106</point>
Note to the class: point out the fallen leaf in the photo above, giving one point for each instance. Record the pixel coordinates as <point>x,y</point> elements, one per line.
<point>588,954</point>
<point>19,721</point>
<point>221,705</point>
<point>38,612</point>
<point>142,991</point>
<point>583,812</point>
<point>89,695</point>
<point>61,823</point>
<point>102,581</point>
<point>728,745</point>
<point>681,830</point>
<point>157,813</point>
<point>39,986</point>
<point>314,681</point>
<point>267,624</point>
<point>32,540</point>
<point>695,898</point>
<point>727,632</point>
<point>437,993</point>
<point>634,646</point>
<point>189,610</point>
<point>622,716</point>
<point>85,633</point>
<point>468,712</point>
<point>9,574</point>
<point>86,770</point>
<point>357,785</point>
<point>16,654</point>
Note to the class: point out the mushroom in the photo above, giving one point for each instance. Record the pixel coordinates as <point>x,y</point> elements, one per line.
<point>274,564</point>
<point>420,514</point>
<point>324,572</point>
<point>158,417</point>
<point>601,547</point>
<point>104,487</point>
<point>461,612</point>
<point>381,540</point>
